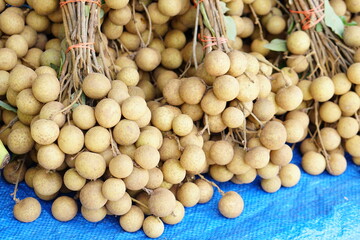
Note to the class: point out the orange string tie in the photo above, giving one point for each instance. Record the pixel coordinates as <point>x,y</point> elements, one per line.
<point>197,2</point>
<point>80,45</point>
<point>98,2</point>
<point>211,41</point>
<point>310,16</point>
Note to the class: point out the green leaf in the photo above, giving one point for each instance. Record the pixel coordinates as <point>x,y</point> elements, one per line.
<point>319,27</point>
<point>87,10</point>
<point>277,45</point>
<point>343,19</point>
<point>332,20</point>
<point>55,67</point>
<point>224,8</point>
<point>101,14</point>
<point>291,26</point>
<point>206,19</point>
<point>230,27</point>
<point>7,106</point>
<point>83,99</point>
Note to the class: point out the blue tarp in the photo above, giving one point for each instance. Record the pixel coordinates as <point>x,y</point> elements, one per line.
<point>319,207</point>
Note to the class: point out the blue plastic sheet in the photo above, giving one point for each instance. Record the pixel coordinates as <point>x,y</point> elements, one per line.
<point>319,207</point>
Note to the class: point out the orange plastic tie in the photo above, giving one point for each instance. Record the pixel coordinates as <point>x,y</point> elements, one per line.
<point>309,22</point>
<point>80,45</point>
<point>211,41</point>
<point>98,2</point>
<point>197,2</point>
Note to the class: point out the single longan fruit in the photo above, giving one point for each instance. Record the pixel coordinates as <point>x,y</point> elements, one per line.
<point>182,125</point>
<point>330,138</point>
<point>273,135</point>
<point>113,189</point>
<point>64,208</point>
<point>226,87</point>
<point>116,4</point>
<point>27,210</point>
<point>47,183</point>
<point>20,141</point>
<point>231,204</point>
<point>97,139</point>
<point>17,43</point>
<point>347,127</point>
<point>153,227</point>
<point>193,158</point>
<point>249,87</point>
<point>313,163</point>
<point>73,181</point>
<point>170,9</point>
<point>29,175</point>
<point>148,59</point>
<point>107,113</point>
<point>211,105</point>
<point>96,85</point>
<point>238,164</point>
<point>220,173</point>
<point>289,98</point>
<point>84,117</point>
<point>120,16</point>
<point>132,220</point>
<point>308,145</point>
<point>206,190</point>
<point>133,107</point>
<point>352,146</point>
<point>294,130</point>
<point>349,103</point>
<point>27,103</point>
<point>351,36</point>
<point>217,63</point>
<point>91,196</point>
<point>126,132</point>
<point>188,194</point>
<point>147,156</point>
<point>71,139</point>
<point>137,179</point>
<point>282,156</point>
<point>289,175</point>
<point>175,39</point>
<point>298,42</point>
<point>169,149</point>
<point>275,25</point>
<point>233,117</point>
<point>14,172</point>
<point>171,92</point>
<point>46,88</point>
<point>341,82</point>
<point>130,76</point>
<point>150,135</point>
<point>271,185</point>
<point>11,22</point>
<point>52,111</point>
<point>50,156</point>
<point>121,206</point>
<point>162,202</point>
<point>329,112</point>
<point>162,118</point>
<point>90,165</point>
<point>257,157</point>
<point>44,131</point>
<point>322,89</point>
<point>249,27</point>
<point>238,63</point>
<point>264,109</point>
<point>269,171</point>
<point>258,45</point>
<point>222,152</point>
<point>93,215</point>
<point>247,177</point>
<point>176,216</point>
<point>192,90</point>
<point>337,164</point>
<point>297,62</point>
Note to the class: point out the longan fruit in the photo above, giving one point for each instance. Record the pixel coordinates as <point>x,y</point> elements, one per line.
<point>52,111</point>
<point>233,117</point>
<point>347,127</point>
<point>11,23</point>
<point>126,132</point>
<point>133,220</point>
<point>84,117</point>
<point>113,189</point>
<point>44,131</point>
<point>294,130</point>
<point>193,158</point>
<point>257,157</point>
<point>313,163</point>
<point>289,98</point>
<point>27,103</point>
<point>282,156</point>
<point>217,63</point>
<point>147,156</point>
<point>133,107</point>
<point>298,42</point>
<point>46,88</point>
<point>226,87</point>
<point>107,113</point>
<point>130,76</point>
<point>249,87</point>
<point>47,183</point>
<point>137,179</point>
<point>20,141</point>
<point>96,85</point>
<point>297,62</point>
<point>248,28</point>
<point>90,165</point>
<point>156,178</point>
<point>4,82</point>
<point>171,58</point>
<point>341,82</point>
<point>188,194</point>
<point>264,109</point>
<point>329,112</point>
<point>211,105</point>
<point>97,139</point>
<point>50,156</point>
<point>91,196</point>
<point>72,180</point>
<point>175,39</point>
<point>93,215</point>
<point>351,36</point>
<point>308,145</point>
<point>330,138</point>
<point>71,139</point>
<point>171,92</point>
<point>299,115</point>
<point>271,185</point>
<point>271,170</point>
<point>156,16</point>
<point>349,103</point>
<point>247,177</point>
<point>29,175</point>
<point>273,135</point>
<point>322,89</point>
<point>64,208</point>
<point>17,43</point>
<point>222,152</point>
<point>238,164</point>
<point>120,16</point>
<point>121,206</point>
<point>220,173</point>
<point>162,118</point>
<point>231,204</point>
<point>265,86</point>
<point>192,90</point>
<point>153,227</point>
<point>352,146</point>
<point>337,164</point>
<point>150,135</point>
<point>27,210</point>
<point>238,63</point>
<point>169,149</point>
<point>182,125</point>
<point>206,190</point>
<point>14,172</point>
<point>275,25</point>
<point>290,175</point>
<point>148,59</point>
<point>162,202</point>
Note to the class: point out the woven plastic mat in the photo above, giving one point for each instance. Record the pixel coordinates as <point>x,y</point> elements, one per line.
<point>319,207</point>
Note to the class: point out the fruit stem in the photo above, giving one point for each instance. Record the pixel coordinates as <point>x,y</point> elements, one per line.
<point>213,184</point>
